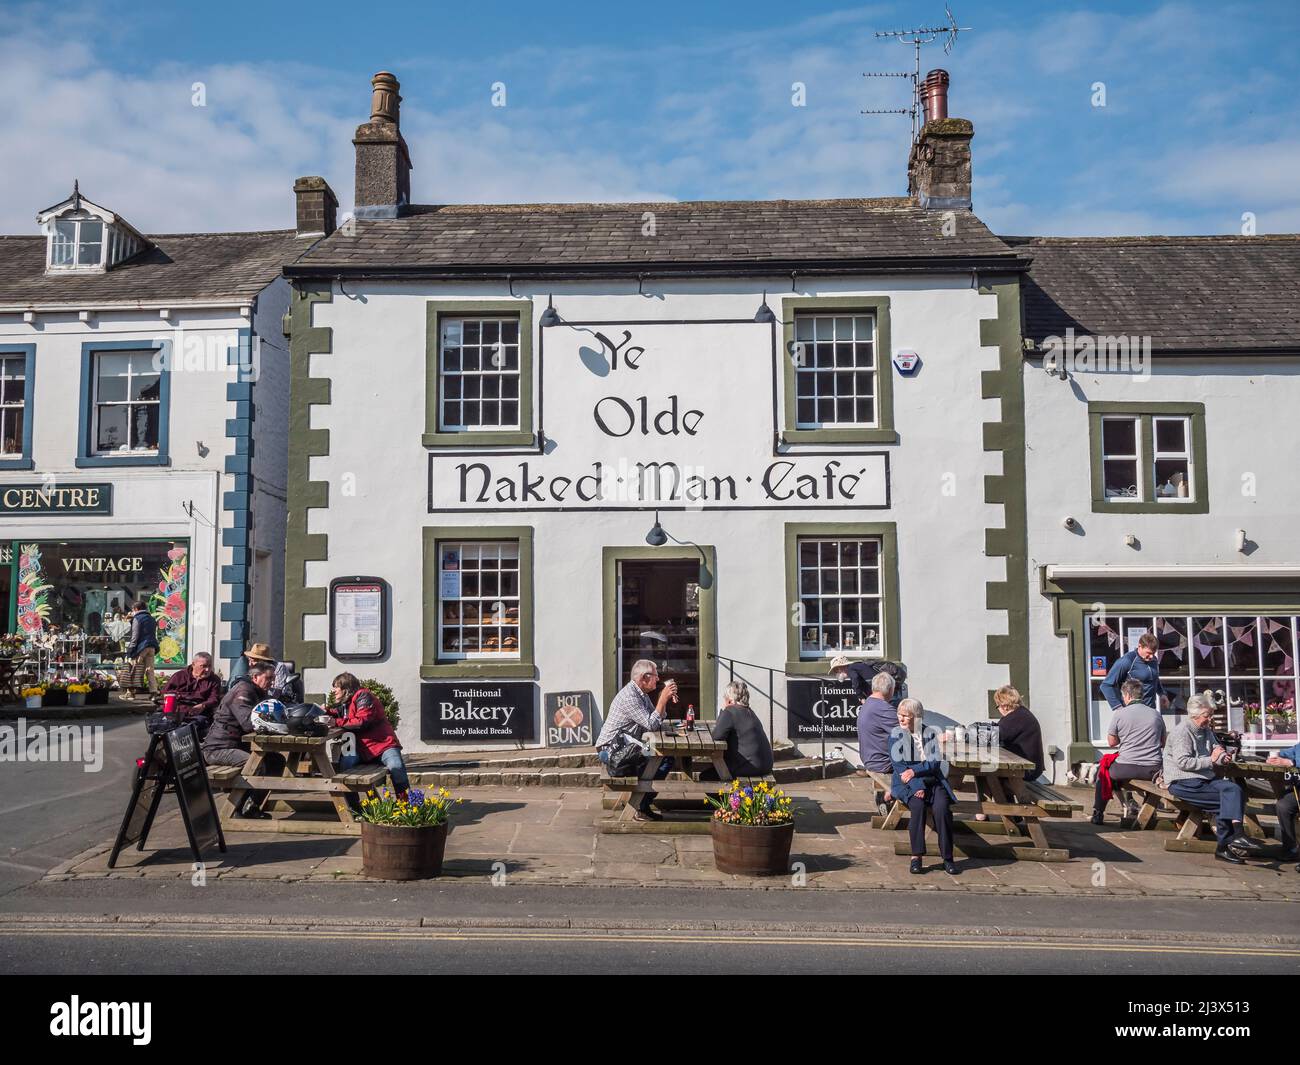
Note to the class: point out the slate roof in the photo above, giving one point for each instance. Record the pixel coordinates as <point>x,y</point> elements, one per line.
<point>226,267</point>
<point>688,234</point>
<point>1186,293</point>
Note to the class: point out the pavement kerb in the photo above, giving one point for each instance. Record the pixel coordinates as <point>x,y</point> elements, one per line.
<point>314,923</point>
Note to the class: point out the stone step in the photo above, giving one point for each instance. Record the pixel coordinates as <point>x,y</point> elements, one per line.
<point>787,771</point>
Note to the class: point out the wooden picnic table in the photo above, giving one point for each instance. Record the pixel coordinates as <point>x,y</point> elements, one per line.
<point>308,775</point>
<point>1190,821</point>
<point>1002,793</point>
<point>691,750</point>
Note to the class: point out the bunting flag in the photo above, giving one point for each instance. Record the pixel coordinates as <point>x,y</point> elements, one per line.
<point>1204,648</point>
<point>1212,628</point>
<point>1274,647</point>
<point>1177,652</point>
<point>1288,666</point>
<point>1270,626</point>
<point>1243,634</point>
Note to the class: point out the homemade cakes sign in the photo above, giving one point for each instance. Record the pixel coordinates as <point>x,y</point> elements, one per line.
<point>665,414</point>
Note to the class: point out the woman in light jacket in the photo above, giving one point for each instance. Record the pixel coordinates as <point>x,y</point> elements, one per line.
<point>921,781</point>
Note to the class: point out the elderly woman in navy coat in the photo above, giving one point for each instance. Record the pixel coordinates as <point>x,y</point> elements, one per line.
<point>920,780</point>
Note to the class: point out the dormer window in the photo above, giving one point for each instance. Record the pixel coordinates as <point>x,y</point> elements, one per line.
<point>77,242</point>
<point>86,238</point>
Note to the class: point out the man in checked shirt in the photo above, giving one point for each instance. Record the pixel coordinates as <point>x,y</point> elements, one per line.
<point>632,711</point>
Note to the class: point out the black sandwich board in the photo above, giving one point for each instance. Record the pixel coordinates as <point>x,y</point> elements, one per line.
<point>174,762</point>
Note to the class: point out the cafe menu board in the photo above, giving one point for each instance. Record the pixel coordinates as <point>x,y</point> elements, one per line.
<point>358,607</point>
<point>819,706</point>
<point>193,790</point>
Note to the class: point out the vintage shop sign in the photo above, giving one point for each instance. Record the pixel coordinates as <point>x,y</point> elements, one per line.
<point>818,702</point>
<point>663,415</point>
<point>474,711</point>
<point>43,499</point>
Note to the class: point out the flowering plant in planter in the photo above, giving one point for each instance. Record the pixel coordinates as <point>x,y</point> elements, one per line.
<point>78,688</point>
<point>757,805</point>
<point>420,809</point>
<point>34,692</point>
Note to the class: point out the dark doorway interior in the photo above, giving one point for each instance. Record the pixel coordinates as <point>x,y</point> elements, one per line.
<point>659,605</point>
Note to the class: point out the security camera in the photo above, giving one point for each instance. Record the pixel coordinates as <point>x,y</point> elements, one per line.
<point>1069,523</point>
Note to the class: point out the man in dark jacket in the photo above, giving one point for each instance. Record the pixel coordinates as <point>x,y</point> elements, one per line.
<point>224,743</point>
<point>197,690</point>
<point>1139,664</point>
<point>143,647</point>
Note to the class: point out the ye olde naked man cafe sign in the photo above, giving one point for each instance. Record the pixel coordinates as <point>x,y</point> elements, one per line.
<point>671,414</point>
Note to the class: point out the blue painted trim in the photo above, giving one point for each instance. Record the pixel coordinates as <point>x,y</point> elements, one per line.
<point>24,461</point>
<point>237,503</point>
<point>85,457</point>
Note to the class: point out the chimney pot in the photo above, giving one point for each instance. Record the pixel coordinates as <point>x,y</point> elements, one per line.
<point>384,99</point>
<point>935,95</point>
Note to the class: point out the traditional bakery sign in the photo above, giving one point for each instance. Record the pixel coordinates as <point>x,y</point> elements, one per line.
<point>671,415</point>
<point>46,499</point>
<point>477,711</point>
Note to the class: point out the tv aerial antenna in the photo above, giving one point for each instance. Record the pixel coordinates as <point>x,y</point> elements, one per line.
<point>922,35</point>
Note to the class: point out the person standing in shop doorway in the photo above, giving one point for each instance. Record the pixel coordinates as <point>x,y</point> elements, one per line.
<point>142,649</point>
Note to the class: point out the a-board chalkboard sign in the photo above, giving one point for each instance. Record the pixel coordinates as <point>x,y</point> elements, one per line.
<point>172,761</point>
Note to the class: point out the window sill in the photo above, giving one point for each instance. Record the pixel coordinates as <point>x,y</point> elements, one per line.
<point>810,667</point>
<point>487,438</point>
<point>478,670</point>
<point>1150,506</point>
<point>16,463</point>
<point>94,461</point>
<point>839,436</point>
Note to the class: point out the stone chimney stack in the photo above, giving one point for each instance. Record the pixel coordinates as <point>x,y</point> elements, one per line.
<point>317,207</point>
<point>383,187</point>
<point>938,172</point>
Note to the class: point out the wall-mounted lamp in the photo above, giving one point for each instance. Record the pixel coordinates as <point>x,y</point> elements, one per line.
<point>765,315</point>
<point>550,316</point>
<point>657,537</point>
<point>1241,540</point>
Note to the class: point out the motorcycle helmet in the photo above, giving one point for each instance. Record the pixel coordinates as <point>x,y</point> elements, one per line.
<point>269,716</point>
<point>306,719</point>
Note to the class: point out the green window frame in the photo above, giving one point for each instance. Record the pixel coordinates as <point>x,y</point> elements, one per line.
<point>434,664</point>
<point>438,310</point>
<point>887,534</point>
<point>876,306</point>
<point>1146,414</point>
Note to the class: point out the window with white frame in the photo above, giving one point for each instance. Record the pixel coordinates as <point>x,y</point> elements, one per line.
<point>1172,460</point>
<point>77,241</point>
<point>478,599</point>
<point>479,368</point>
<point>127,407</point>
<point>841,597</point>
<point>835,370</point>
<point>1121,460</point>
<point>13,403</point>
<point>1247,661</point>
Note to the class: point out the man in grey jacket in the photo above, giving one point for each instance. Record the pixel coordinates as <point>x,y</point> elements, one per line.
<point>1191,758</point>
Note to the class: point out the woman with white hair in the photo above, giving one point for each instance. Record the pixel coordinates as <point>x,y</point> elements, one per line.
<point>921,781</point>
<point>749,753</point>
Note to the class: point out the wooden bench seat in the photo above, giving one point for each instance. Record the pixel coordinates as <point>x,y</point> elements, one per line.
<point>362,778</point>
<point>1053,803</point>
<point>1189,820</point>
<point>224,776</point>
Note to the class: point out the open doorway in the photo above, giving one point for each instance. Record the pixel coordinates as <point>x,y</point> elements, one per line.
<point>659,619</point>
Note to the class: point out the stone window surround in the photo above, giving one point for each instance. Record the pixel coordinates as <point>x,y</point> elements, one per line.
<point>86,457</point>
<point>1145,413</point>
<point>438,309</point>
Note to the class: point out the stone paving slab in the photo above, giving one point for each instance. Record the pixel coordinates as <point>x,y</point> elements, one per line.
<point>549,836</point>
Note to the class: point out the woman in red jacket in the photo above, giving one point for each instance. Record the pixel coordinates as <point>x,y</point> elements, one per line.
<point>357,711</point>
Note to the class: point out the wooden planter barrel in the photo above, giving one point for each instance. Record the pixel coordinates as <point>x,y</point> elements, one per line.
<point>752,850</point>
<point>395,852</point>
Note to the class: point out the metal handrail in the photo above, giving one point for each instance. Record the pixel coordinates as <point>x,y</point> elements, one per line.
<point>772,671</point>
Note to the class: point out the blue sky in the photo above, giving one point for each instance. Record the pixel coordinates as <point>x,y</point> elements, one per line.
<point>669,100</point>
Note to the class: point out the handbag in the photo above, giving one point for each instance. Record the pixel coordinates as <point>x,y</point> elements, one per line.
<point>627,755</point>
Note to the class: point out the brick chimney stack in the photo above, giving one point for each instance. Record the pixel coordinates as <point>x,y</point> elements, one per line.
<point>383,183</point>
<point>317,207</point>
<point>939,169</point>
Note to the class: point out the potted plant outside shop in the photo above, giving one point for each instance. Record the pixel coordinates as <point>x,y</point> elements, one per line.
<point>404,839</point>
<point>752,829</point>
<point>77,692</point>
<point>33,696</point>
<point>98,694</point>
<point>56,693</point>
